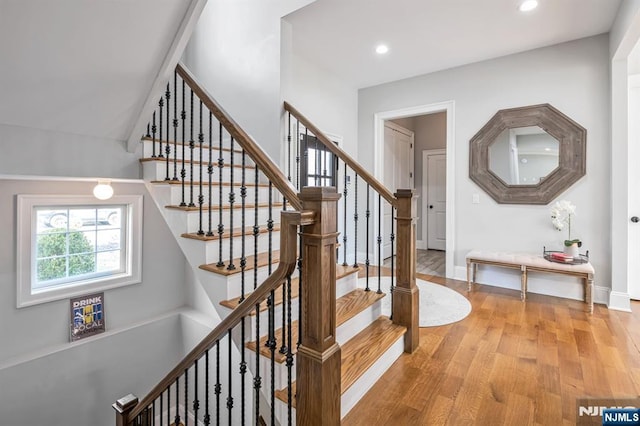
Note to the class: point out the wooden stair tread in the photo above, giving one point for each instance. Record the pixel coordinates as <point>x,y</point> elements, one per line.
<point>237,232</point>
<point>347,307</point>
<point>295,291</point>
<point>237,205</point>
<point>341,272</point>
<point>361,352</point>
<point>186,144</point>
<point>195,162</point>
<point>263,260</point>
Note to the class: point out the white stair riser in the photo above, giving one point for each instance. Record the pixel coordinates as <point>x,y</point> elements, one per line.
<point>193,218</point>
<point>176,195</point>
<point>212,248</point>
<point>215,154</point>
<point>157,170</point>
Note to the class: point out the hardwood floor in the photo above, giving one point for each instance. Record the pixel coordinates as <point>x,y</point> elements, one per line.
<point>508,363</point>
<point>430,262</point>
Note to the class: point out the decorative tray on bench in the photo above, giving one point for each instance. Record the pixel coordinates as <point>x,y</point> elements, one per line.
<point>549,255</point>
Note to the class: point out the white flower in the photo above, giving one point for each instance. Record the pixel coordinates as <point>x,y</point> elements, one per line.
<point>561,213</point>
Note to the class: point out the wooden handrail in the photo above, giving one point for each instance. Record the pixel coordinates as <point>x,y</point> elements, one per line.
<point>353,164</point>
<point>256,153</point>
<point>290,220</point>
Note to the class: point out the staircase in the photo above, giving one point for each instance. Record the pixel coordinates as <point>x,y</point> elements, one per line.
<point>230,211</point>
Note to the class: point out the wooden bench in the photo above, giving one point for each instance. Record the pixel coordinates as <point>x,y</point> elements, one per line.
<point>530,262</point>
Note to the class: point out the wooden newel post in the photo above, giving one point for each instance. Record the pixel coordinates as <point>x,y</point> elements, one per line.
<point>405,296</point>
<point>318,363</point>
<point>123,408</point>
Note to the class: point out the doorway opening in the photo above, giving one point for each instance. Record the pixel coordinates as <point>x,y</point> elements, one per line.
<point>432,178</point>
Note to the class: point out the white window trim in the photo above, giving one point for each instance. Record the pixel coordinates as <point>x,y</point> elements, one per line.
<point>26,240</point>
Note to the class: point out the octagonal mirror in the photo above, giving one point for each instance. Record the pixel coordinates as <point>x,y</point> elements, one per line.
<point>528,155</point>
<point>524,155</point>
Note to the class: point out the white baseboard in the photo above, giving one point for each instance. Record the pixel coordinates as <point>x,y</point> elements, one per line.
<point>619,301</point>
<point>421,244</point>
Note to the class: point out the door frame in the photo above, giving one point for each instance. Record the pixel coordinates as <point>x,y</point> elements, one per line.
<point>378,155</point>
<point>425,183</point>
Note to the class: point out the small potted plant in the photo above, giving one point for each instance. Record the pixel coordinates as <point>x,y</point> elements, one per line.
<point>561,214</point>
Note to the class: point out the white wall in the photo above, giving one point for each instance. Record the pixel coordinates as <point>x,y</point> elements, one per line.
<point>40,368</point>
<point>574,77</point>
<point>235,54</point>
<point>35,152</point>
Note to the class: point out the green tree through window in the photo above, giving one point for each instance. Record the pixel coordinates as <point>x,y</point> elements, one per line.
<point>62,254</point>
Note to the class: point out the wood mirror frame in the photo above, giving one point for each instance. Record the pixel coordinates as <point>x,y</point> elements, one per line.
<point>572,148</point>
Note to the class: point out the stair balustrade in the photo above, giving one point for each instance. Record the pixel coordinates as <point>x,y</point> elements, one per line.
<point>207,161</point>
<point>389,247</point>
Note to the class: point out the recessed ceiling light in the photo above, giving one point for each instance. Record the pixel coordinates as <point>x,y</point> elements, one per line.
<point>381,49</point>
<point>528,5</point>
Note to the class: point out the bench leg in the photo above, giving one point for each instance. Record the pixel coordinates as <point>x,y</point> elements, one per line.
<point>468,275</point>
<point>523,285</point>
<point>588,292</point>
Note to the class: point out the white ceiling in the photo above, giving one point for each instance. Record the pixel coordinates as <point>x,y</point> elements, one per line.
<point>430,35</point>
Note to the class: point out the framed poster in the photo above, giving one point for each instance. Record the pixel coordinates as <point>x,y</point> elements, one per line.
<point>87,316</point>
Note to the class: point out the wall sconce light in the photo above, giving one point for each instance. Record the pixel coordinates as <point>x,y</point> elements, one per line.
<point>103,190</point>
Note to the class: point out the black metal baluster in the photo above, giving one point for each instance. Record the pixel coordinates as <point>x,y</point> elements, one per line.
<point>271,344</point>
<point>367,214</point>
<point>207,415</point>
<point>232,200</point>
<point>153,132</point>
<point>167,146</point>
<point>257,379</point>
<point>220,224</point>
<point>176,420</point>
<point>393,238</point>
<point>344,233</point>
<point>175,126</point>
<point>270,225</point>
<point>355,222</point>
<point>153,411</point>
<point>230,395</point>
<point>210,172</point>
<point>289,149</point>
<point>298,182</point>
<point>196,401</point>
<point>318,169</point>
<point>218,386</point>
<point>183,171</point>
<point>148,135</point>
<point>186,397</point>
<point>380,260</point>
<point>243,198</point>
<point>200,195</point>
<point>168,405</point>
<point>192,144</point>
<point>256,231</point>
<point>243,372</point>
<point>161,105</point>
<point>289,361</point>
<point>305,160</point>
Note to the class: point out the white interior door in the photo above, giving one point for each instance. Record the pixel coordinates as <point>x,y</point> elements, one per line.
<point>398,173</point>
<point>436,164</point>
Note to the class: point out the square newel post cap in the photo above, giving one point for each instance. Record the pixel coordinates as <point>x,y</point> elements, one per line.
<point>318,193</point>
<point>405,193</point>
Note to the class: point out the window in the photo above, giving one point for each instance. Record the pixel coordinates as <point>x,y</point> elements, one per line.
<point>71,245</point>
<point>319,165</point>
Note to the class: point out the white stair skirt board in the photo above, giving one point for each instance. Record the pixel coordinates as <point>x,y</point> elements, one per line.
<point>439,305</point>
